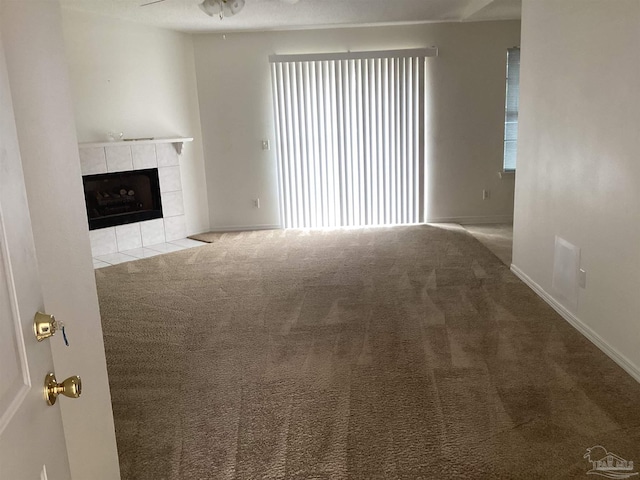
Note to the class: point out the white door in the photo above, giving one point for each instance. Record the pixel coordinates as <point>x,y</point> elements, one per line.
<point>31,436</point>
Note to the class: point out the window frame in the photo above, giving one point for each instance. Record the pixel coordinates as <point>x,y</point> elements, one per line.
<point>512,76</point>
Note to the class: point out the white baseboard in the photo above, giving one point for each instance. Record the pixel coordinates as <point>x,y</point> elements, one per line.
<point>579,325</point>
<point>473,220</point>
<point>244,228</point>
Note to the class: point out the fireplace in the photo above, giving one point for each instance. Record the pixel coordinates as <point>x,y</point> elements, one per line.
<point>122,197</point>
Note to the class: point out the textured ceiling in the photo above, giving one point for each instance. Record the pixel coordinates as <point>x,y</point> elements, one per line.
<point>184,15</point>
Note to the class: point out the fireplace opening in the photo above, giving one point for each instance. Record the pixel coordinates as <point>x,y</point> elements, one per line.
<point>122,197</point>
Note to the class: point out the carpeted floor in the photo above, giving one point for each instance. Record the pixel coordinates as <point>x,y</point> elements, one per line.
<point>388,353</point>
<point>496,237</point>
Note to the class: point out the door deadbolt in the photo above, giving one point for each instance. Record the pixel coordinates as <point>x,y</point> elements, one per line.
<point>44,326</point>
<point>71,387</point>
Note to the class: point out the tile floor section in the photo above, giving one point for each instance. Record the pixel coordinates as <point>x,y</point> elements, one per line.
<point>145,252</point>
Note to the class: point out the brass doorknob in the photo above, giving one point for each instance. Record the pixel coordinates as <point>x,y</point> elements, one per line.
<point>71,387</point>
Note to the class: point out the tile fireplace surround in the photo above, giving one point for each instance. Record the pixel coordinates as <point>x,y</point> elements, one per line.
<point>96,158</point>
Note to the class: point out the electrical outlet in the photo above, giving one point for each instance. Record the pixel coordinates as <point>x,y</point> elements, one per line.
<point>266,145</point>
<point>485,194</point>
<point>256,203</point>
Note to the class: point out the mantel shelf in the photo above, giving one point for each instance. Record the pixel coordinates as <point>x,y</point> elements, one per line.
<point>176,141</point>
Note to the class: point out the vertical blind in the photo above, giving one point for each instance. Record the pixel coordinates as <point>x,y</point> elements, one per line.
<point>512,106</point>
<point>350,138</point>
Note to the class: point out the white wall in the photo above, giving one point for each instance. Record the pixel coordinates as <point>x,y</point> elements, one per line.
<point>140,81</point>
<point>32,35</point>
<point>578,166</point>
<point>466,87</point>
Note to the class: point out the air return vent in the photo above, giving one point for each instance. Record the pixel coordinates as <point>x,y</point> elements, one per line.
<point>566,264</point>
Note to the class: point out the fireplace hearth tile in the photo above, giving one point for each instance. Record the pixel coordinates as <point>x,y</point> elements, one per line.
<point>169,178</point>
<point>172,204</point>
<point>142,234</point>
<point>144,156</point>
<point>142,252</point>
<point>103,241</point>
<point>152,232</point>
<point>166,248</point>
<point>175,228</point>
<point>115,258</point>
<point>145,252</point>
<point>128,236</point>
<point>167,155</point>
<point>119,159</point>
<point>93,161</point>
<point>188,243</point>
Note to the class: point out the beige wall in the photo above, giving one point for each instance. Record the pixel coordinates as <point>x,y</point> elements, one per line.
<point>466,92</point>
<point>138,80</point>
<point>32,35</point>
<point>578,167</point>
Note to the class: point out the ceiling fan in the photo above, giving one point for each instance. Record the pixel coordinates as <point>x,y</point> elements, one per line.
<point>222,8</point>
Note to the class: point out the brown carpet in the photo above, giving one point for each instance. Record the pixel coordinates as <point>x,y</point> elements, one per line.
<point>496,237</point>
<point>210,237</point>
<point>389,353</point>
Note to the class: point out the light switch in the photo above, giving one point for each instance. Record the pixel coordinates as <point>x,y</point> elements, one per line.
<point>266,145</point>
<point>582,278</point>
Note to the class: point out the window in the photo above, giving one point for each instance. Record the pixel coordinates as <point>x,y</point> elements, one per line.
<point>511,109</point>
<point>350,130</point>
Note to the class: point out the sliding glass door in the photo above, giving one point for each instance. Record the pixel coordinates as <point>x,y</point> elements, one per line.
<point>350,138</point>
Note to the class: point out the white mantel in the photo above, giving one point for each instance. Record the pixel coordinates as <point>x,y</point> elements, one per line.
<point>177,142</point>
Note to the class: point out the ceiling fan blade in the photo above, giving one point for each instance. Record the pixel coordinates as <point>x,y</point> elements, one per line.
<point>151,3</point>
